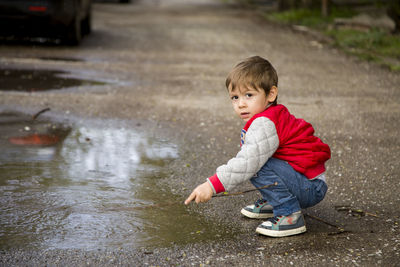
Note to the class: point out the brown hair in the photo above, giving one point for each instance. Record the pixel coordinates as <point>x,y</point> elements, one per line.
<point>255,72</point>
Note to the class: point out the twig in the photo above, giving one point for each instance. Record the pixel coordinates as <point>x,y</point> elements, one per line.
<point>340,229</point>
<point>322,220</point>
<point>164,204</point>
<point>246,191</point>
<point>34,117</point>
<point>359,212</point>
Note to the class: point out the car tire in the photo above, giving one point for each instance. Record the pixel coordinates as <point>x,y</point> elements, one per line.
<point>87,25</point>
<point>74,32</point>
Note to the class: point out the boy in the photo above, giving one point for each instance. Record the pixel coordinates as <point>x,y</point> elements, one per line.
<point>276,148</point>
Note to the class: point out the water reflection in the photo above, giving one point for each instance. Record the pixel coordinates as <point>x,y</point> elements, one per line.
<point>111,157</point>
<point>97,188</point>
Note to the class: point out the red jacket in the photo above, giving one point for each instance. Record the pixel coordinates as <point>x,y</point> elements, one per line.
<point>274,133</point>
<point>298,146</point>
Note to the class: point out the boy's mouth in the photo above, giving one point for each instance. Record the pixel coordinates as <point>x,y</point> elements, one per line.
<point>244,114</point>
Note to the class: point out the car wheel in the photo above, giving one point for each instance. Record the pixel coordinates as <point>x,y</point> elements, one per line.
<point>74,32</point>
<point>87,24</point>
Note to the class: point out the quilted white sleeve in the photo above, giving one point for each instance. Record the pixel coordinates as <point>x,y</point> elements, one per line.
<point>260,144</point>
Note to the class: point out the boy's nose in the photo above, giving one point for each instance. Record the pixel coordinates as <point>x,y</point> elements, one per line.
<point>242,102</point>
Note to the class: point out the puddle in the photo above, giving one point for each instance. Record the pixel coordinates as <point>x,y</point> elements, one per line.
<point>39,80</point>
<point>93,188</point>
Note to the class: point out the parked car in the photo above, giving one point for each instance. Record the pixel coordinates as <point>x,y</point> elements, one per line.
<point>68,20</point>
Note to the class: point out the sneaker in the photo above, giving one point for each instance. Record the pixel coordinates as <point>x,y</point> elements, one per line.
<point>283,225</point>
<point>260,210</point>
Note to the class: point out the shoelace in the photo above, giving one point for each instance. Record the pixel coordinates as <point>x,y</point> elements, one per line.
<point>259,202</point>
<point>275,219</point>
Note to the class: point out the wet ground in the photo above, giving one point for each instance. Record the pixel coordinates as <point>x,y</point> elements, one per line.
<point>39,80</point>
<point>161,67</point>
<point>90,187</point>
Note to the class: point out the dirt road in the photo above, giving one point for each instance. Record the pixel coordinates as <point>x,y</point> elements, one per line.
<point>164,64</point>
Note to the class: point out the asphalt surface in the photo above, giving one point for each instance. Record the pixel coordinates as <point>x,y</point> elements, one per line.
<point>165,64</point>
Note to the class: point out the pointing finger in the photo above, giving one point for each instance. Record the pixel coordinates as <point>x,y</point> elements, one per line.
<point>190,198</point>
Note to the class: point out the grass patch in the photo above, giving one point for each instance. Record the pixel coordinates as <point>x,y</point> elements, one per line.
<point>310,17</point>
<point>374,41</point>
<point>373,45</point>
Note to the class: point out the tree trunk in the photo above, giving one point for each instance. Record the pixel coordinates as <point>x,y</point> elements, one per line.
<point>286,4</point>
<point>306,3</point>
<point>393,12</point>
<point>324,8</point>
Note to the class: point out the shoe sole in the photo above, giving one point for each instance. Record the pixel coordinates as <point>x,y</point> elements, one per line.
<point>253,215</point>
<point>275,233</point>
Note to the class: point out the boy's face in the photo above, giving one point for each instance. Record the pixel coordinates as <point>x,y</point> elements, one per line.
<point>248,101</point>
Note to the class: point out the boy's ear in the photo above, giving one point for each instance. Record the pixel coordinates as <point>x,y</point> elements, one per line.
<point>273,94</point>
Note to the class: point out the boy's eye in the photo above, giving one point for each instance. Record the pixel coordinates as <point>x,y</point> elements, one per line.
<point>249,95</point>
<point>235,97</point>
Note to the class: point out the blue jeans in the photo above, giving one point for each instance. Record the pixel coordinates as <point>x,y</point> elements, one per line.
<point>293,191</point>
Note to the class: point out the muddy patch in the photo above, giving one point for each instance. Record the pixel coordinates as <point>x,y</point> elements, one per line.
<point>34,80</point>
<point>62,59</point>
<point>90,186</point>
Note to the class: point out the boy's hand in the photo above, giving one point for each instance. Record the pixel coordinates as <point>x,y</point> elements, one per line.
<point>201,193</point>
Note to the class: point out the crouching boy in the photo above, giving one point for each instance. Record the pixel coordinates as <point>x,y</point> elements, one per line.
<point>276,148</point>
